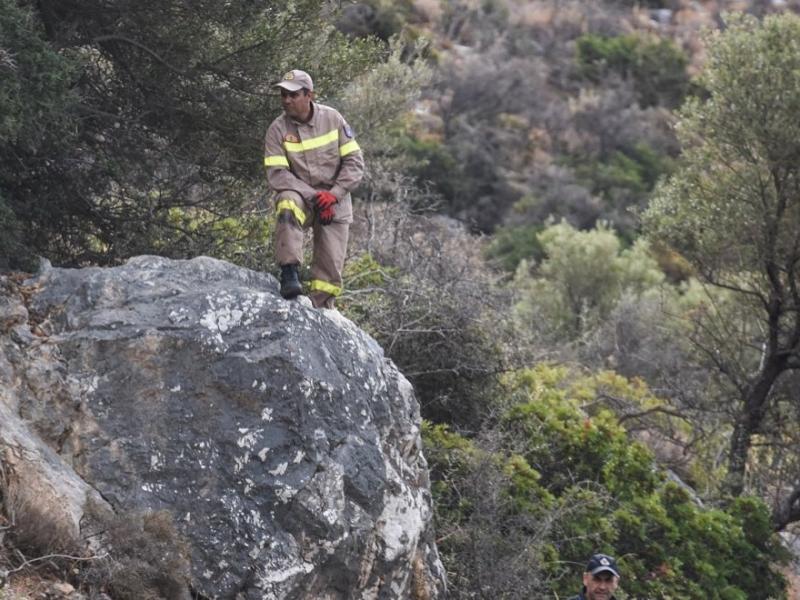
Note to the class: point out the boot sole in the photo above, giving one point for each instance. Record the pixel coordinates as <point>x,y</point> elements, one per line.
<point>291,293</point>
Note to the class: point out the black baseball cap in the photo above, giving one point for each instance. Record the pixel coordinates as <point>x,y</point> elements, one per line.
<point>602,562</point>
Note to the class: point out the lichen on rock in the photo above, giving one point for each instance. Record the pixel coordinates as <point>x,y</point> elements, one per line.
<point>283,443</point>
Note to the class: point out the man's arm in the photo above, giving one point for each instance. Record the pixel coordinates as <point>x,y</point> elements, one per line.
<point>279,177</point>
<point>351,169</point>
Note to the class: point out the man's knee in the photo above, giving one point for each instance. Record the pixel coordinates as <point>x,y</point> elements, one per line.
<point>286,216</point>
<point>289,212</point>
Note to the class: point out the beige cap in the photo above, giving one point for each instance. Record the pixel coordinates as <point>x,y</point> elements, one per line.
<point>296,80</point>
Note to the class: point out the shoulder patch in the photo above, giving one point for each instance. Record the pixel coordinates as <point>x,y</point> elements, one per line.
<point>290,138</point>
<point>348,131</point>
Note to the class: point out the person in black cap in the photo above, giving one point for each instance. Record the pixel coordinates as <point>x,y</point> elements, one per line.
<point>600,579</point>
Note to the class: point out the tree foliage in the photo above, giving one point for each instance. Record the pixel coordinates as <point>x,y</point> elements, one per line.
<point>122,113</point>
<point>582,277</point>
<point>733,210</point>
<point>567,476</point>
<point>656,66</point>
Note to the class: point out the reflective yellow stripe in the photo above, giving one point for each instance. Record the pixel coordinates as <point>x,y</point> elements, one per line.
<point>293,208</point>
<point>349,148</point>
<point>317,285</point>
<point>276,161</point>
<point>317,142</point>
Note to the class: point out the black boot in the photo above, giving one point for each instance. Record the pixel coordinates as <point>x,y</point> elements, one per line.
<point>290,282</point>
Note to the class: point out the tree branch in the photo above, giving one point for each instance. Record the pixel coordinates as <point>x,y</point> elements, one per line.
<point>29,562</point>
<point>142,47</point>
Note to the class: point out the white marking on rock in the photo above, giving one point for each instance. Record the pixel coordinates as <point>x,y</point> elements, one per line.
<point>240,462</point>
<point>156,462</point>
<point>330,515</point>
<point>286,493</point>
<point>255,520</point>
<point>277,576</point>
<point>279,470</point>
<point>248,440</point>
<point>400,525</point>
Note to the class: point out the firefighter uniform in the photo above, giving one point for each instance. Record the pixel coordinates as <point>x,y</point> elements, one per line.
<point>302,159</point>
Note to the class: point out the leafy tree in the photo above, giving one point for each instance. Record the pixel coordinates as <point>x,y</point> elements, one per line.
<point>35,102</point>
<point>581,278</point>
<point>558,478</point>
<point>124,112</point>
<point>733,210</point>
<point>376,104</point>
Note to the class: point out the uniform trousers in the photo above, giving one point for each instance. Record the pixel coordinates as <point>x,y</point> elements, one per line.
<point>294,215</point>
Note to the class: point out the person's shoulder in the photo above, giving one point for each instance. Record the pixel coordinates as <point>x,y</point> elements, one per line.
<point>278,122</point>
<point>329,112</point>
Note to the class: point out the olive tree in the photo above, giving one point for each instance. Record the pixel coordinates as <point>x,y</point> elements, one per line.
<point>582,277</point>
<point>732,209</point>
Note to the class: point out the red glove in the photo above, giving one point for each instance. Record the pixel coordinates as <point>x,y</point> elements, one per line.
<point>325,203</point>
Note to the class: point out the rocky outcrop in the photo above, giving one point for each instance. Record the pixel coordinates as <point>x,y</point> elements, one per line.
<point>283,443</point>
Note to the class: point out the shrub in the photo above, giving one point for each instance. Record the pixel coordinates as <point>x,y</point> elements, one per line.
<point>581,279</point>
<point>512,245</point>
<point>552,483</point>
<point>147,558</point>
<point>434,164</point>
<point>657,67</point>
<point>424,291</point>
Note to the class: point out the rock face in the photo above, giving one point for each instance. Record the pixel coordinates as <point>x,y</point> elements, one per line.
<point>283,443</point>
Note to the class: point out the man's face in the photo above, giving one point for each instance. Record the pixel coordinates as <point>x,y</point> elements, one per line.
<point>296,104</point>
<point>600,586</point>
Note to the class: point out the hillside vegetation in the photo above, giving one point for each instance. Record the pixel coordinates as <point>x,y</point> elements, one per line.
<point>578,238</point>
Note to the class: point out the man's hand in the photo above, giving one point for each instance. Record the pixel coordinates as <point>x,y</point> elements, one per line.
<point>325,203</point>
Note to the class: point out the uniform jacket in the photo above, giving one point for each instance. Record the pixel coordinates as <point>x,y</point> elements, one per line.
<point>319,155</point>
<point>581,596</point>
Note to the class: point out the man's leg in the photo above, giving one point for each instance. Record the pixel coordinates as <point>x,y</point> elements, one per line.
<point>291,216</point>
<point>330,248</point>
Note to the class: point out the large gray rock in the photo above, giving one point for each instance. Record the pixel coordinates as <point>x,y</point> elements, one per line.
<point>282,441</point>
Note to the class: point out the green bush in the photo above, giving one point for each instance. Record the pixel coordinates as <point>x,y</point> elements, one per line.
<point>582,277</point>
<point>579,473</point>
<point>656,67</point>
<point>635,169</point>
<point>511,245</point>
<point>434,164</point>
<point>380,18</point>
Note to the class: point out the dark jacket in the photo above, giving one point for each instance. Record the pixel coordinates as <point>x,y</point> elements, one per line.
<point>582,597</point>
